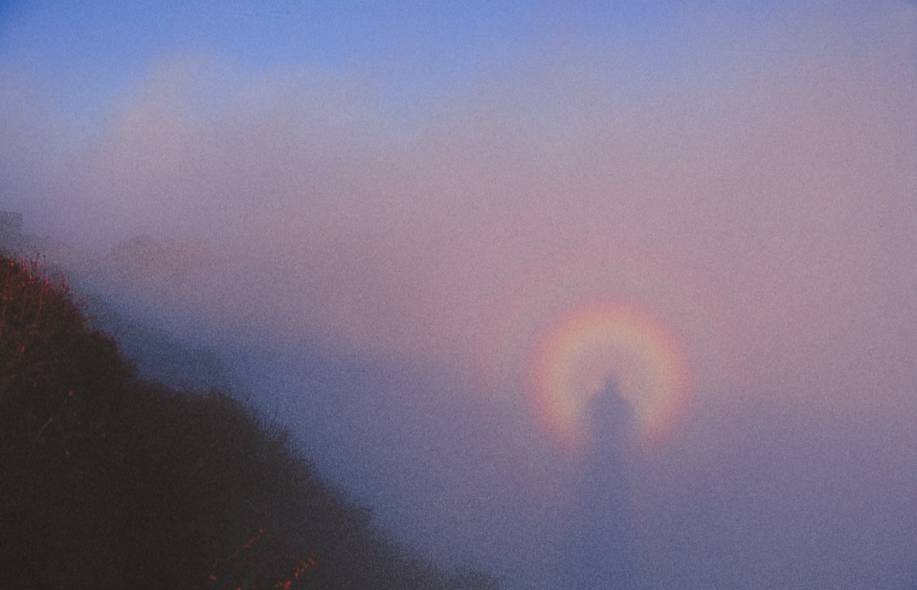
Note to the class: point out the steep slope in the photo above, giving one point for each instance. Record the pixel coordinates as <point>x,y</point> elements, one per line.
<point>110,481</point>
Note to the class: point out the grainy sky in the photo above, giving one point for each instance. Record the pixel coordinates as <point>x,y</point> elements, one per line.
<point>390,209</point>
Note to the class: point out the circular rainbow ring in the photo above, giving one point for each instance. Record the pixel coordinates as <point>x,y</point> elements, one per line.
<point>624,344</point>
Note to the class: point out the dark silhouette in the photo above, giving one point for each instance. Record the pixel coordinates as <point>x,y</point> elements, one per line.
<point>600,550</point>
<point>111,481</point>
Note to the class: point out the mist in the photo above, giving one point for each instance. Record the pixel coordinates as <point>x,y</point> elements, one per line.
<point>378,265</point>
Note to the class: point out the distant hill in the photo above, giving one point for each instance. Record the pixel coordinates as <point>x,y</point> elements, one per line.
<point>113,481</point>
<point>155,353</point>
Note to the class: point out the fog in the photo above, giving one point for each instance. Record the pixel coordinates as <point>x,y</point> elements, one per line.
<point>378,275</point>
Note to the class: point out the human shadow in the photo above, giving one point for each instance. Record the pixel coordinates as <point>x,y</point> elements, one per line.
<point>600,549</point>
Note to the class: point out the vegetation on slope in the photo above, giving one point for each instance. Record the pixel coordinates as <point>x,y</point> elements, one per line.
<point>111,481</point>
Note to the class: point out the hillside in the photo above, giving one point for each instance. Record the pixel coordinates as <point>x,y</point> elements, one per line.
<point>113,481</point>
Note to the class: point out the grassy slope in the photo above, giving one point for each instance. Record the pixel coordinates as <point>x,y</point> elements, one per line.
<point>109,481</point>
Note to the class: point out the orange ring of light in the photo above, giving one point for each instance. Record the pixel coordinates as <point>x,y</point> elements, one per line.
<point>587,347</point>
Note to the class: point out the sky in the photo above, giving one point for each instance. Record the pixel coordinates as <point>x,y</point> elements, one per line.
<point>436,242</point>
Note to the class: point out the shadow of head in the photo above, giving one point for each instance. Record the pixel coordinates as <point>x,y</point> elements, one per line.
<point>610,417</point>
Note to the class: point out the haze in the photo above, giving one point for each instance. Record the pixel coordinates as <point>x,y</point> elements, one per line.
<point>374,215</point>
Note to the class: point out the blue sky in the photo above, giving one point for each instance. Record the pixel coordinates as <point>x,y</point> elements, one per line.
<point>96,49</point>
<point>88,53</point>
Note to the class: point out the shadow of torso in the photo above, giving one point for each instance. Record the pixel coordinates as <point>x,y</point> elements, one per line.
<point>600,550</point>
